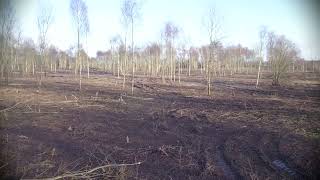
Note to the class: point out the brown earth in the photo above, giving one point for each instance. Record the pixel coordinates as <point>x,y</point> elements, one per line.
<point>174,130</point>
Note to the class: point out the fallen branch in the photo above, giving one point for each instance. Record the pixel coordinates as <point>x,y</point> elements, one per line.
<point>135,97</point>
<point>91,105</point>
<point>4,165</point>
<point>75,97</point>
<point>58,102</point>
<point>33,112</point>
<point>9,108</point>
<point>85,173</point>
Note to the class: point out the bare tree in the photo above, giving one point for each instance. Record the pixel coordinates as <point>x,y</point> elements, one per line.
<point>79,13</point>
<point>87,30</point>
<point>7,23</point>
<point>193,59</point>
<point>116,42</point>
<point>131,11</point>
<point>29,53</point>
<point>281,52</point>
<point>170,33</point>
<point>262,43</point>
<point>152,58</point>
<point>125,21</point>
<point>16,46</point>
<point>182,53</point>
<point>53,57</point>
<point>44,20</point>
<point>213,27</point>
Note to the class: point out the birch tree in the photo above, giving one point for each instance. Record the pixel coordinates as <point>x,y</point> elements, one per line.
<point>44,20</point>
<point>213,28</point>
<point>170,33</point>
<point>131,12</point>
<point>7,23</point>
<point>281,53</point>
<point>87,30</point>
<point>262,43</point>
<point>79,13</point>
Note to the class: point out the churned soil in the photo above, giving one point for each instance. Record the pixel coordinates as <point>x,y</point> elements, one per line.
<point>174,129</point>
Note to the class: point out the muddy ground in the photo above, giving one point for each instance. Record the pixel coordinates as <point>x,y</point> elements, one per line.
<point>174,130</point>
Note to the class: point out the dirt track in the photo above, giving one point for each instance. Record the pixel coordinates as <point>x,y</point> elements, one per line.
<point>176,131</point>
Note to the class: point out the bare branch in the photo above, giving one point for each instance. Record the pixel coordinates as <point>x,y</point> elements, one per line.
<point>86,174</point>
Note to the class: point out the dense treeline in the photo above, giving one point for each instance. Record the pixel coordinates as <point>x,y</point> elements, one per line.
<point>168,59</point>
<point>153,61</point>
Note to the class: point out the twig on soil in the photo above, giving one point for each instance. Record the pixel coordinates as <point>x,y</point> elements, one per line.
<point>75,97</point>
<point>86,173</point>
<point>9,108</point>
<point>91,105</point>
<point>162,149</point>
<point>51,102</point>
<point>33,112</point>
<point>135,97</point>
<point>29,107</point>
<point>4,165</point>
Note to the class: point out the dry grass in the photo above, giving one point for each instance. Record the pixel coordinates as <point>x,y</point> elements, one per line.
<point>174,129</point>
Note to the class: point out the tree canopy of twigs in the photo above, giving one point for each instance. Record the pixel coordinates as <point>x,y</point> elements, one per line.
<point>79,11</point>
<point>44,20</point>
<point>130,10</point>
<point>281,52</point>
<point>7,24</point>
<point>213,27</point>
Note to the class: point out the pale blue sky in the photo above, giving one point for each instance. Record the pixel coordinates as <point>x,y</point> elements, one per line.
<point>240,21</point>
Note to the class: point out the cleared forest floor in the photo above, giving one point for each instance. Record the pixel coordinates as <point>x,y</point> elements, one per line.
<point>175,130</point>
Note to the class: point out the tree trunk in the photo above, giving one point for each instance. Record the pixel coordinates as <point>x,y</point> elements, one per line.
<point>124,81</point>
<point>312,66</point>
<point>171,63</point>
<point>189,66</point>
<point>174,67</point>
<point>293,67</point>
<point>88,67</point>
<point>179,71</point>
<point>258,76</point>
<point>208,78</point>
<point>78,57</point>
<point>33,67</point>
<point>209,83</point>
<point>133,64</point>
<point>80,74</point>
<point>125,63</point>
<point>88,63</point>
<point>118,66</point>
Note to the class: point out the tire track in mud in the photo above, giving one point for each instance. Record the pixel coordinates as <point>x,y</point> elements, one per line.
<point>270,162</point>
<point>208,134</point>
<point>197,124</point>
<point>225,166</point>
<point>271,159</point>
